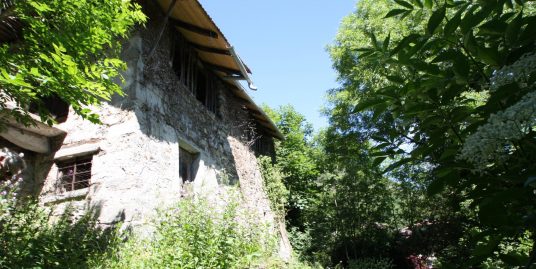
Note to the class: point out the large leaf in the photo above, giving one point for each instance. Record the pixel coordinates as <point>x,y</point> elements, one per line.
<point>368,103</point>
<point>395,12</point>
<point>453,23</point>
<point>436,19</point>
<point>404,4</point>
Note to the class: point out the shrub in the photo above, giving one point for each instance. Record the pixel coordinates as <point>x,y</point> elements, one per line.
<point>29,239</point>
<point>370,263</point>
<point>197,234</point>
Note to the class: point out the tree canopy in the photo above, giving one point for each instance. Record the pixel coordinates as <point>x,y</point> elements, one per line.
<point>66,48</point>
<point>447,86</point>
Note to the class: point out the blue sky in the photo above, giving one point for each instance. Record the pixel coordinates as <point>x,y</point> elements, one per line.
<point>283,42</point>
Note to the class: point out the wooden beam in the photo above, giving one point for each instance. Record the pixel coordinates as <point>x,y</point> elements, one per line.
<point>226,70</point>
<point>193,28</point>
<point>234,78</point>
<point>210,49</point>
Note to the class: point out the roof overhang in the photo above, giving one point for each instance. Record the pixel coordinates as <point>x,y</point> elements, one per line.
<point>193,22</point>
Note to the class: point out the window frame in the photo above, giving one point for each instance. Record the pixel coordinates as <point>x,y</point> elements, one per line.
<point>72,182</point>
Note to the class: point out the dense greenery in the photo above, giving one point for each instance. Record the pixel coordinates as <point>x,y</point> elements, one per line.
<point>68,49</point>
<point>431,145</point>
<point>197,234</point>
<point>430,150</point>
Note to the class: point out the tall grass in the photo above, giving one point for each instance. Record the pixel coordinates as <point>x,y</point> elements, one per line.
<point>197,234</point>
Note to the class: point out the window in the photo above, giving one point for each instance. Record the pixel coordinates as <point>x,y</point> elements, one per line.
<point>193,74</point>
<point>187,165</point>
<point>75,174</point>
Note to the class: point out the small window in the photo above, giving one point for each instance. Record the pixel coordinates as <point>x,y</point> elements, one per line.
<point>187,165</point>
<point>75,174</point>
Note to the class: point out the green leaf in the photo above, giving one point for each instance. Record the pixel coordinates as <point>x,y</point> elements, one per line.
<point>453,24</point>
<point>436,19</point>
<point>395,79</point>
<point>514,29</point>
<point>412,38</point>
<point>418,3</point>
<point>404,4</point>
<point>428,4</point>
<point>397,164</point>
<point>395,12</point>
<point>368,103</point>
<point>378,160</point>
<point>493,28</point>
<point>469,42</point>
<point>386,42</point>
<point>374,40</point>
<point>489,56</point>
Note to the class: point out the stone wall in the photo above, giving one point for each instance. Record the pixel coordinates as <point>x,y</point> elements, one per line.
<point>135,163</point>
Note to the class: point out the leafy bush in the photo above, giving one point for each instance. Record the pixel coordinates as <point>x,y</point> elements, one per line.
<point>29,239</point>
<point>370,263</point>
<point>197,234</point>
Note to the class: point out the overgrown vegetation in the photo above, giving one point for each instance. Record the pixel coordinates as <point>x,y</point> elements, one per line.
<point>30,238</point>
<point>67,49</point>
<point>273,186</point>
<point>428,157</point>
<point>198,234</point>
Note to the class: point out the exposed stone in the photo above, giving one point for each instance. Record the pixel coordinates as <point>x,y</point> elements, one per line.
<point>135,152</point>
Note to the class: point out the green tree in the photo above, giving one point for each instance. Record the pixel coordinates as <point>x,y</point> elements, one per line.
<point>68,49</point>
<point>296,157</point>
<point>454,94</point>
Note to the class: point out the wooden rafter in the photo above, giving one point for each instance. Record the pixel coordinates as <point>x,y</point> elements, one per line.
<point>193,28</point>
<point>210,49</point>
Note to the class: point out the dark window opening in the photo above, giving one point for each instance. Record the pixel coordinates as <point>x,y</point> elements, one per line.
<point>187,165</point>
<point>193,74</point>
<point>201,91</point>
<point>54,105</point>
<point>75,174</point>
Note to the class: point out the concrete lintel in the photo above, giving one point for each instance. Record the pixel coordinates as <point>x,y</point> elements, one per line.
<point>27,140</point>
<point>76,151</point>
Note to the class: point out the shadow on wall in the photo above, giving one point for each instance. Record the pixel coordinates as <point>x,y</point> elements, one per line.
<point>164,108</point>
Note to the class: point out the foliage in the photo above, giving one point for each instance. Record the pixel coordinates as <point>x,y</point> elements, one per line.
<point>31,239</point>
<point>371,263</point>
<point>448,88</point>
<point>69,49</point>
<point>296,156</point>
<point>197,234</point>
<point>340,206</point>
<point>273,186</point>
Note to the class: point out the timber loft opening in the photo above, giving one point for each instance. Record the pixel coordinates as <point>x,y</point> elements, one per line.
<point>193,74</point>
<point>53,104</point>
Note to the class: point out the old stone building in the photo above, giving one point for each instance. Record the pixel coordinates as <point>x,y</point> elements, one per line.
<point>185,126</point>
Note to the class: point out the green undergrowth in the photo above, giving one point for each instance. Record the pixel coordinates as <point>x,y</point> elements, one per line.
<point>198,233</point>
